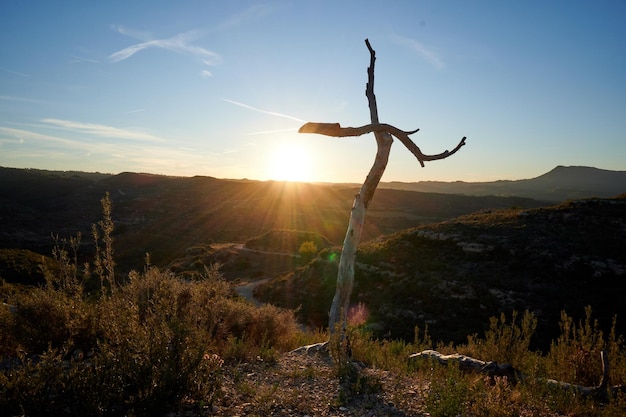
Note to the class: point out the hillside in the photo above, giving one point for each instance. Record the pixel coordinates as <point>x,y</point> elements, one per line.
<point>454,275</point>
<point>164,344</point>
<point>517,255</point>
<point>166,215</point>
<point>561,183</point>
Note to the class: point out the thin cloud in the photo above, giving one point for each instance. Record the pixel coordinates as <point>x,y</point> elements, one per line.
<point>251,13</point>
<point>102,130</point>
<point>21,74</point>
<point>77,59</point>
<point>206,74</point>
<point>29,145</point>
<point>26,135</point>
<point>271,113</point>
<point>139,35</point>
<point>180,43</point>
<point>426,53</point>
<point>23,100</point>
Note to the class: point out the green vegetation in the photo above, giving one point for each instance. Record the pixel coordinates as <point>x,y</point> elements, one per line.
<point>573,358</point>
<point>456,275</point>
<point>150,345</point>
<point>159,342</point>
<point>166,215</point>
<point>141,348</point>
<point>86,343</point>
<point>308,250</point>
<point>292,241</point>
<point>23,266</point>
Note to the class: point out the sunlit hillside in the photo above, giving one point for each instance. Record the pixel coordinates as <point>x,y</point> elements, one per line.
<point>525,288</point>
<point>166,215</point>
<point>454,275</point>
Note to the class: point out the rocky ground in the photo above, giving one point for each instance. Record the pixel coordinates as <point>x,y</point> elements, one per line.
<point>301,384</point>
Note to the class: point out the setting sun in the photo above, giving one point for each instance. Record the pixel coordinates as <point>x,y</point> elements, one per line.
<point>290,162</point>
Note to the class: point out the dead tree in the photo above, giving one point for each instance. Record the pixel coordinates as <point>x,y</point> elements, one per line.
<point>384,135</point>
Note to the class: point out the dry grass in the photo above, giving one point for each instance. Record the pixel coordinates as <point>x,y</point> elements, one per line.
<point>163,345</point>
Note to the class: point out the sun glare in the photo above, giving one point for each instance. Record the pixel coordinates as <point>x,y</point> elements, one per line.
<point>291,162</point>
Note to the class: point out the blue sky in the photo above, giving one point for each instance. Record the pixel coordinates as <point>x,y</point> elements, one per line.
<point>220,88</point>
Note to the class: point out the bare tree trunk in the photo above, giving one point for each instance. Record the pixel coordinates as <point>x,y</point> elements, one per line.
<point>345,275</point>
<point>384,134</point>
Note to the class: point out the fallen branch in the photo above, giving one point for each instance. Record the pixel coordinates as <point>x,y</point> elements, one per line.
<point>602,392</point>
<point>321,347</point>
<point>469,364</point>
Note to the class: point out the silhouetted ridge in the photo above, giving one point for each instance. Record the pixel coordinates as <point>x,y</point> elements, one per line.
<point>559,184</point>
<point>582,176</point>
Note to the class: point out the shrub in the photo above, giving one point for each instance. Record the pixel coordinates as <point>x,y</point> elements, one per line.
<point>504,341</point>
<point>286,240</point>
<point>448,393</point>
<point>307,250</point>
<point>43,319</point>
<point>142,348</point>
<point>149,346</point>
<point>575,355</point>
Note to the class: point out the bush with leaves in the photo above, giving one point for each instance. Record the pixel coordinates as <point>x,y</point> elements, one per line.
<point>142,348</point>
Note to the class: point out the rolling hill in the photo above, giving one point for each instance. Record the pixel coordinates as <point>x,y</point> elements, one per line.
<point>448,261</point>
<point>561,183</point>
<point>453,275</point>
<point>164,215</point>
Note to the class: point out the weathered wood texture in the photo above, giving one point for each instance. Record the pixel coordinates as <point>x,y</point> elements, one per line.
<point>602,392</point>
<point>384,135</point>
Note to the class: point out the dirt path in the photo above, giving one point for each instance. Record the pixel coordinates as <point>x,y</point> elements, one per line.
<point>241,247</point>
<point>246,290</point>
<point>260,266</point>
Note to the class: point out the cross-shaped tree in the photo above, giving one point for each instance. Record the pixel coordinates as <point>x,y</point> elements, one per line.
<point>384,134</point>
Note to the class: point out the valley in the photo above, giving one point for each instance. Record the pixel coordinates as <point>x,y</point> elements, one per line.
<point>446,261</point>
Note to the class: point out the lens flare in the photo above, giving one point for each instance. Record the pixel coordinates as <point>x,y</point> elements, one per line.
<point>358,314</point>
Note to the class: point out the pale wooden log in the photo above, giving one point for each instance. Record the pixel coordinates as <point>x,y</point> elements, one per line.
<point>469,364</point>
<point>602,392</point>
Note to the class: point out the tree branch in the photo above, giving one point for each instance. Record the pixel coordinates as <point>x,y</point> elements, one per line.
<point>335,130</point>
<point>383,139</point>
<point>369,87</point>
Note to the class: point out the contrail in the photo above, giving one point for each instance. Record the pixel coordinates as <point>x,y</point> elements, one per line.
<point>265,132</point>
<point>271,113</point>
<point>178,43</point>
<point>21,74</point>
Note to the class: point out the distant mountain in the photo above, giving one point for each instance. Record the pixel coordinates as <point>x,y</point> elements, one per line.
<point>453,275</point>
<point>559,184</point>
<point>164,215</point>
